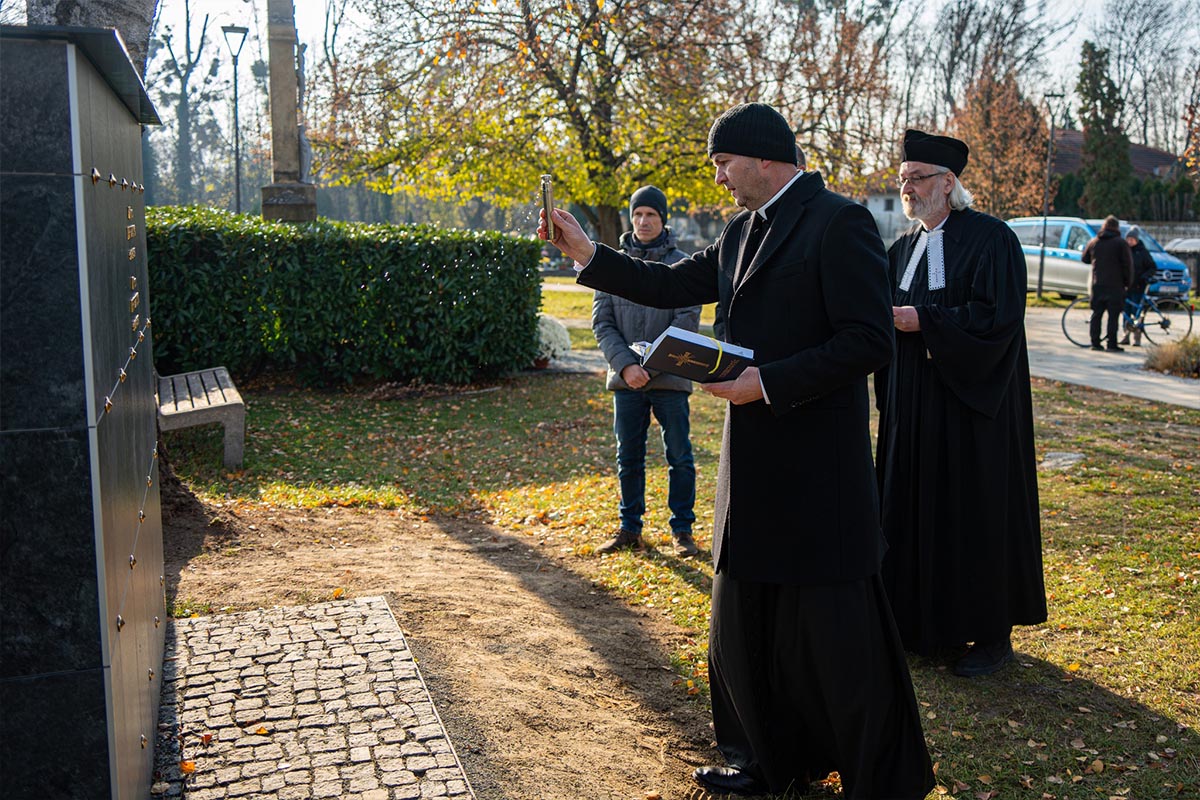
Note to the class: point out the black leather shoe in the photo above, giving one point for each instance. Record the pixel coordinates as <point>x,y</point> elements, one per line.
<point>624,540</point>
<point>1097,347</point>
<point>685,545</point>
<point>1112,348</point>
<point>984,658</point>
<point>729,780</point>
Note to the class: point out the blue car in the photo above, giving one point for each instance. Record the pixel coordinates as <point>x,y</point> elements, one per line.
<point>1067,275</point>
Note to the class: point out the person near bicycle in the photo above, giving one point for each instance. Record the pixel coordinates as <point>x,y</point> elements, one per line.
<point>1112,275</point>
<point>956,465</point>
<point>1143,270</point>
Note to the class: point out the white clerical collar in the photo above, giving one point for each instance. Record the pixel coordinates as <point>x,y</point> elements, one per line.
<point>762,210</point>
<point>934,241</point>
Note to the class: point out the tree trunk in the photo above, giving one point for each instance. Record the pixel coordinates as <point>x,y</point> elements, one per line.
<point>133,18</point>
<point>608,225</point>
<point>183,150</point>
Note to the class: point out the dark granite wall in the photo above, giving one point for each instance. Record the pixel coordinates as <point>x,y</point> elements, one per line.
<point>81,598</point>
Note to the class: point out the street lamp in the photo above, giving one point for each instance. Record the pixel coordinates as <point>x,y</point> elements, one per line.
<point>1045,190</point>
<point>235,37</point>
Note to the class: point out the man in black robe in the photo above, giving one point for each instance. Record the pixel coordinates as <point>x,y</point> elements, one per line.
<point>955,462</point>
<point>807,672</point>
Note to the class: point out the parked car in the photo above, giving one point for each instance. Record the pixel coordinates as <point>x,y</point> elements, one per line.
<point>1066,274</point>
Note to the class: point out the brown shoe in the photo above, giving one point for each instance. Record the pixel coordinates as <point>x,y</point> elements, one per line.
<point>685,545</point>
<point>624,540</point>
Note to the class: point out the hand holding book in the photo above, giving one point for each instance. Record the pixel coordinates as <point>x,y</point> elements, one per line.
<point>695,356</point>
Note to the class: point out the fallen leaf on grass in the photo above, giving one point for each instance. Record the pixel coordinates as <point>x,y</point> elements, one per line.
<point>1096,767</point>
<point>985,779</point>
<point>338,592</point>
<point>959,786</point>
<point>986,795</point>
<point>1074,667</point>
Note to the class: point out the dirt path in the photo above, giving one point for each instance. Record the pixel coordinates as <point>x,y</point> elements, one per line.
<point>548,688</point>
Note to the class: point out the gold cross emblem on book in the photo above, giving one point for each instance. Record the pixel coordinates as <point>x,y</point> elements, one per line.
<point>685,358</point>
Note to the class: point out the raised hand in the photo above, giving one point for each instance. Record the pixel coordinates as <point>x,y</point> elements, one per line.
<point>569,236</point>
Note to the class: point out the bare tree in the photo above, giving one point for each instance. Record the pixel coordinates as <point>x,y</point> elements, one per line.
<point>133,18</point>
<point>1000,37</point>
<point>188,87</point>
<point>827,66</point>
<point>1142,37</point>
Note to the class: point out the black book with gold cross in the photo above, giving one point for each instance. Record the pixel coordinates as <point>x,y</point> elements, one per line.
<point>694,355</point>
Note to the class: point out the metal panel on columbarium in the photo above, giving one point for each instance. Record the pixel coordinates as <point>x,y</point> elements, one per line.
<point>82,603</point>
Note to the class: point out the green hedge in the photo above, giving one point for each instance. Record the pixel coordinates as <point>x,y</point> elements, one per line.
<point>338,301</point>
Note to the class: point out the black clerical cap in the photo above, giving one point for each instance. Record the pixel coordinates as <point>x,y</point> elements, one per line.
<point>944,151</point>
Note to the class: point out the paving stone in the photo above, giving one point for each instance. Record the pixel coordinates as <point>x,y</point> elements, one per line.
<point>336,687</point>
<point>327,790</point>
<point>245,788</point>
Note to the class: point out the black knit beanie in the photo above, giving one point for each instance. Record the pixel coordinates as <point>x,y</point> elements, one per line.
<point>755,130</point>
<point>650,196</point>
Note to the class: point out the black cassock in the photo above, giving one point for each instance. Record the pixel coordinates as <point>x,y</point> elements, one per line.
<point>955,461</point>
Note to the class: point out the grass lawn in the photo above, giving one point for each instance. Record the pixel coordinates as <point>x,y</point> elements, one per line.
<point>570,305</point>
<point>1105,699</point>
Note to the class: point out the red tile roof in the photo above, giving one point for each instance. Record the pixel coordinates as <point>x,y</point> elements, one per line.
<point>1146,161</point>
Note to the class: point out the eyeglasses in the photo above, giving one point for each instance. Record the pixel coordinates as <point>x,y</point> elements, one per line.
<point>900,181</point>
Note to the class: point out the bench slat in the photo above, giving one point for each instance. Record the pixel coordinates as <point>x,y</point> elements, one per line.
<point>196,398</point>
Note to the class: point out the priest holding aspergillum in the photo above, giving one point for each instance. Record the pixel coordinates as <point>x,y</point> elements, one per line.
<point>955,459</point>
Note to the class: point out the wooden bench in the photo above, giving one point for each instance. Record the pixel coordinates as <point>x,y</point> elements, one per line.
<point>207,395</point>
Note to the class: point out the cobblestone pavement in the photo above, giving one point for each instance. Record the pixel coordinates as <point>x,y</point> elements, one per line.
<point>304,702</point>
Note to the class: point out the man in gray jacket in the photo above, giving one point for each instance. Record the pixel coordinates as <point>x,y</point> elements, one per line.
<point>618,323</point>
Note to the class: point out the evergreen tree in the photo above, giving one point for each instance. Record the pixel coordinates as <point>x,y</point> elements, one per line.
<point>1106,171</point>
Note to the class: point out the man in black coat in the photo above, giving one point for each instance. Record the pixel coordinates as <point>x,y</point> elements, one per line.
<point>805,665</point>
<point>1112,275</point>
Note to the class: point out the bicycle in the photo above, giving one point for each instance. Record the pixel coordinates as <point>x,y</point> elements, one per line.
<point>1160,320</point>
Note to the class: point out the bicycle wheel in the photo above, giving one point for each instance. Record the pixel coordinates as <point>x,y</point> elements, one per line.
<point>1169,322</point>
<point>1077,321</point>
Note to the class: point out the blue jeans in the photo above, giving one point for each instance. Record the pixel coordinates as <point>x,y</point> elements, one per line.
<point>631,422</point>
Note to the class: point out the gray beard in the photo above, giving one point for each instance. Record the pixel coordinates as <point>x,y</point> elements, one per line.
<point>917,208</point>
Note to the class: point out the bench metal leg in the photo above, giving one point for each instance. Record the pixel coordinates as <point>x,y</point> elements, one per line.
<point>235,437</point>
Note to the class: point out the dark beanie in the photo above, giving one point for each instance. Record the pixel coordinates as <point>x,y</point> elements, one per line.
<point>1134,232</point>
<point>755,130</point>
<point>650,196</point>
<point>944,151</point>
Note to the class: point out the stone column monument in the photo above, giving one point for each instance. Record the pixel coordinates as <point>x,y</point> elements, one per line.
<point>289,198</point>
